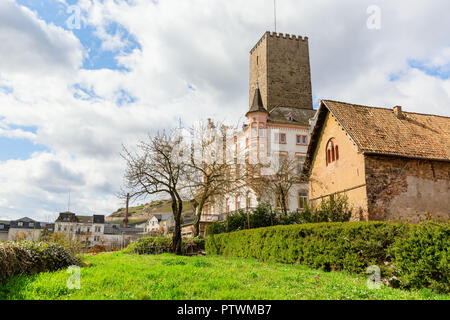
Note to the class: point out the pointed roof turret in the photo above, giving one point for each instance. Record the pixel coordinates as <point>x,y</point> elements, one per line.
<point>257,105</point>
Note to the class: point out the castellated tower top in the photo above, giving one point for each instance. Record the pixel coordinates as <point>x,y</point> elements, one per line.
<point>279,63</point>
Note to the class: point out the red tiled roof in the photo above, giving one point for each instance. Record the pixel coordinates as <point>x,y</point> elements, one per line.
<point>380,131</point>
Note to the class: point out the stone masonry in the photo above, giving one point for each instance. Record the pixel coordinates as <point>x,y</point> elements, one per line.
<point>401,189</point>
<point>280,65</point>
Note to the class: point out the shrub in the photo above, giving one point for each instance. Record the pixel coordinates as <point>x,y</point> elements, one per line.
<point>98,248</point>
<point>350,247</point>
<point>422,257</point>
<point>67,242</point>
<point>262,216</point>
<point>150,245</point>
<point>333,209</point>
<point>25,258</point>
<point>159,245</point>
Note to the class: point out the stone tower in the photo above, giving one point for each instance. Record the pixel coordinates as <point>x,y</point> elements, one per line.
<point>279,64</point>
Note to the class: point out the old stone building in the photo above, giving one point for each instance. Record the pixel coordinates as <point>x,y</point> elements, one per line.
<point>392,165</point>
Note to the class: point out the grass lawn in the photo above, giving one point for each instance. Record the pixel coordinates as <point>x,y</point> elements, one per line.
<point>123,276</point>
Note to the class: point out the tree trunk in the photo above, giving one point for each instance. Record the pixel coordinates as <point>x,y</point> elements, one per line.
<point>283,201</point>
<point>198,217</point>
<point>177,240</point>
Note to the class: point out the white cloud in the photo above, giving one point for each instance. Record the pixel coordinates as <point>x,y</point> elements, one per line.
<point>30,45</point>
<point>197,43</point>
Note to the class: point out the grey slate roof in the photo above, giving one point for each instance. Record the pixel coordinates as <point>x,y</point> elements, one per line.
<point>72,217</point>
<point>300,116</point>
<point>163,217</point>
<point>114,228</point>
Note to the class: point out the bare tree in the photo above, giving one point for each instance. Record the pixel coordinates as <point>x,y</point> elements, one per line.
<point>286,174</point>
<point>157,167</point>
<point>212,172</point>
<point>274,178</point>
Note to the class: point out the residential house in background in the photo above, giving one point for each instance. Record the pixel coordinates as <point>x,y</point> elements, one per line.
<point>392,165</point>
<point>86,229</point>
<point>187,227</point>
<point>25,229</point>
<point>93,230</point>
<point>4,230</point>
<point>115,235</point>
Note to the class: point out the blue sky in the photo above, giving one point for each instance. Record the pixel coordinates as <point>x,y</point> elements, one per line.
<point>55,12</point>
<point>69,98</point>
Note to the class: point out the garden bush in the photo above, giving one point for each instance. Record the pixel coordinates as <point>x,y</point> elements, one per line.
<point>422,257</point>
<point>26,258</point>
<point>350,247</point>
<point>333,209</point>
<point>159,245</point>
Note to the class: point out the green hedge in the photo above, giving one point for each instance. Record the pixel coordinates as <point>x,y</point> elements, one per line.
<point>25,258</point>
<point>350,247</point>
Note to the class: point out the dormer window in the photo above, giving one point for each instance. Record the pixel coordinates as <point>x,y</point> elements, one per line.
<point>290,117</point>
<point>332,152</point>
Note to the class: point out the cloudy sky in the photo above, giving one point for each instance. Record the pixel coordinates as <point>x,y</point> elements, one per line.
<point>79,78</point>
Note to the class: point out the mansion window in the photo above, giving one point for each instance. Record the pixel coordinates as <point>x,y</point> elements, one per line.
<point>254,130</point>
<point>302,200</point>
<point>2,226</point>
<point>280,138</point>
<point>332,152</point>
<point>262,131</point>
<point>302,140</point>
<point>300,162</point>
<point>20,224</point>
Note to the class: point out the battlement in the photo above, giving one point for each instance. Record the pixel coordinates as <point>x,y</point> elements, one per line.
<point>279,36</point>
<point>279,66</point>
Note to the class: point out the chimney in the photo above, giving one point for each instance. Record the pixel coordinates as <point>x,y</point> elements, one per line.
<point>398,112</point>
<point>125,219</point>
<point>210,124</point>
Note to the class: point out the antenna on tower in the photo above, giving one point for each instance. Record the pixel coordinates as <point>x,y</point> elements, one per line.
<point>275,14</point>
<point>68,203</point>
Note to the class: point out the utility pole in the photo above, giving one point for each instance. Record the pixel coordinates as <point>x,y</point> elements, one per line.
<point>125,220</point>
<point>68,203</point>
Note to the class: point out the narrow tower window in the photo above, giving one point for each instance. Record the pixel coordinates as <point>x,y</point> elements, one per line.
<point>332,152</point>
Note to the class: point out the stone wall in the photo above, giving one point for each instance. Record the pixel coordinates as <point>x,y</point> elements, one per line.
<point>280,64</point>
<point>400,189</point>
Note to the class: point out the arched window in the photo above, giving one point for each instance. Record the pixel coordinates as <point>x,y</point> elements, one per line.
<point>332,152</point>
